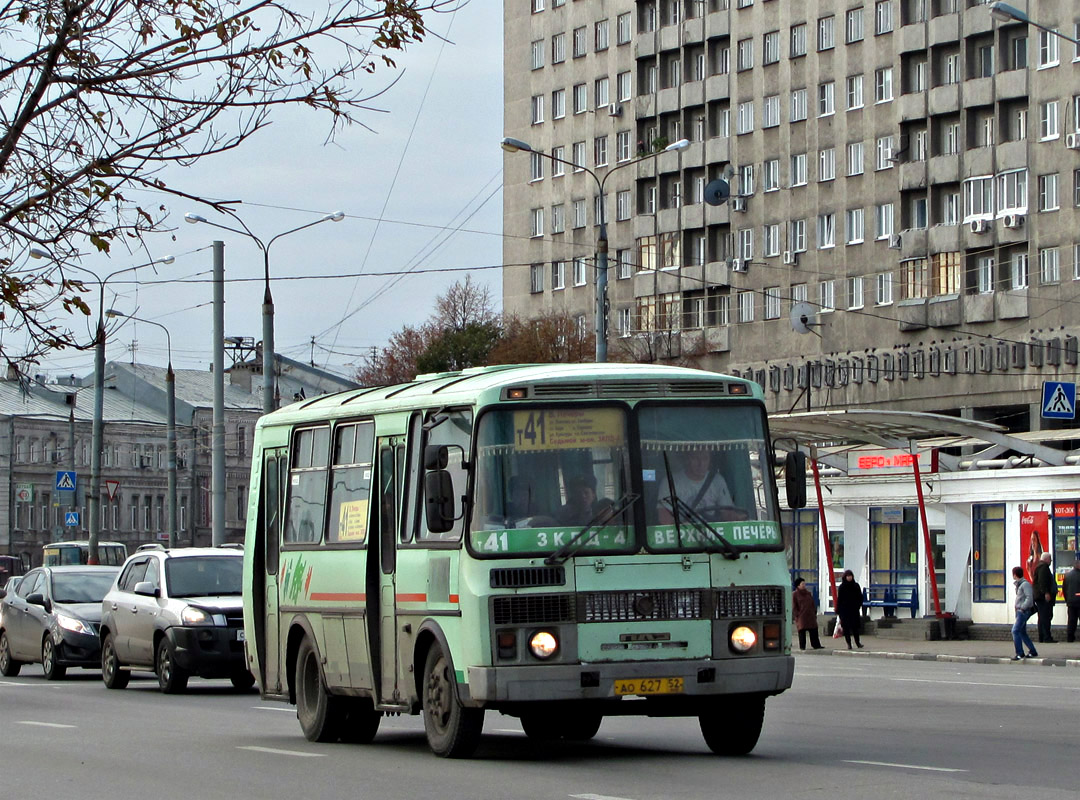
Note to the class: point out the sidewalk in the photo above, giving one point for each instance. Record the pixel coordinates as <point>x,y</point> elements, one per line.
<point>1059,654</point>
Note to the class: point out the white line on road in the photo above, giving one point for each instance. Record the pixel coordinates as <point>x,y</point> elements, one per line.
<point>45,724</point>
<point>596,797</point>
<point>905,766</point>
<point>976,683</point>
<point>278,752</point>
<point>274,708</point>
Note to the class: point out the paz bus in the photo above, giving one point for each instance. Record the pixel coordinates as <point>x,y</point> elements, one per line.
<point>558,543</point>
<point>59,553</point>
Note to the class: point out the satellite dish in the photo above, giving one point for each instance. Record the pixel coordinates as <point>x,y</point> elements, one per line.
<point>728,171</point>
<point>717,192</point>
<point>803,318</point>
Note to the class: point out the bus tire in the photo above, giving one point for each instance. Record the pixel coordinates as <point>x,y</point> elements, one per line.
<point>319,714</point>
<point>453,731</point>
<point>732,727</point>
<point>361,721</point>
<point>582,726</point>
<point>9,667</point>
<point>540,727</point>
<point>579,727</point>
<point>111,675</point>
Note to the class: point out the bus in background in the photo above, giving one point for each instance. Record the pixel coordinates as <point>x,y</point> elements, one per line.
<point>558,543</point>
<point>111,554</point>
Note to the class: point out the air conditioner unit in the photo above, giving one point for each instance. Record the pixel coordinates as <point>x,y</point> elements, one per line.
<point>738,203</point>
<point>1014,220</point>
<point>738,265</point>
<point>614,110</point>
<point>895,241</point>
<point>978,226</point>
<point>791,257</point>
<point>1072,141</point>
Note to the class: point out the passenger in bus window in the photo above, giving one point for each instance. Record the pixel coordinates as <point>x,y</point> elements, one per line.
<point>519,502</point>
<point>581,503</point>
<point>699,484</point>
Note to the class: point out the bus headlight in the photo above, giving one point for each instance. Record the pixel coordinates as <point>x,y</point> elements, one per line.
<point>543,644</point>
<point>743,639</point>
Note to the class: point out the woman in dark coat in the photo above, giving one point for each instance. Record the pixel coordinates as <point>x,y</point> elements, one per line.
<point>805,610</point>
<point>849,603</point>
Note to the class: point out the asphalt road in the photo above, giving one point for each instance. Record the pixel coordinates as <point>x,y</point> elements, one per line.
<point>848,729</point>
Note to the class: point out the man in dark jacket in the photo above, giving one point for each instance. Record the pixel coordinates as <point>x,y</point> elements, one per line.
<point>1071,589</point>
<point>1045,595</point>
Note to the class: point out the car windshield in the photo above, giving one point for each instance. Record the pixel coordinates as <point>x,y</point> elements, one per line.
<point>703,480</point>
<point>81,587</point>
<point>204,576</point>
<point>544,474</point>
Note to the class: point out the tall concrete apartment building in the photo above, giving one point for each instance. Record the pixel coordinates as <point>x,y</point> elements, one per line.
<point>908,168</point>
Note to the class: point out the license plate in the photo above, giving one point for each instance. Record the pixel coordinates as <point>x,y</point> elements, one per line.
<point>240,635</point>
<point>649,686</point>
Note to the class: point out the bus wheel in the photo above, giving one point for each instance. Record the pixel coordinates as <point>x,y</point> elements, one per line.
<point>361,721</point>
<point>453,731</point>
<point>542,727</point>
<point>320,715</point>
<point>582,726</point>
<point>732,727</point>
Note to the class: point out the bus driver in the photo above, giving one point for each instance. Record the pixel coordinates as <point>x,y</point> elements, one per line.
<point>700,486</point>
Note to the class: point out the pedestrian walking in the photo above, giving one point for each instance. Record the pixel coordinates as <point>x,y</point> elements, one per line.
<point>805,611</point>
<point>849,603</point>
<point>1045,595</point>
<point>1070,587</point>
<point>1024,605</point>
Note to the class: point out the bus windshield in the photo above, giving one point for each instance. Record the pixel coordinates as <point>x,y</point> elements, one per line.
<point>544,475</point>
<point>703,479</point>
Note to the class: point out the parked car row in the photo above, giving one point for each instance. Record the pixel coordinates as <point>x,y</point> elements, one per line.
<point>175,613</point>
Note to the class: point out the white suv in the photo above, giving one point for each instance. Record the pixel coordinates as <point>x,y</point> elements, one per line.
<point>177,613</point>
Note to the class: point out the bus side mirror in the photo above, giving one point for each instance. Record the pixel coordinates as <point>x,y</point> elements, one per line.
<point>795,479</point>
<point>436,456</point>
<point>439,497</point>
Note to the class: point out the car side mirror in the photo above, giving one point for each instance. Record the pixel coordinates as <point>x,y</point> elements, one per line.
<point>38,599</point>
<point>147,589</point>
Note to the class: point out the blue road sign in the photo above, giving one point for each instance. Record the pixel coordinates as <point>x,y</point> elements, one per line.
<point>71,519</point>
<point>65,481</point>
<point>1059,400</point>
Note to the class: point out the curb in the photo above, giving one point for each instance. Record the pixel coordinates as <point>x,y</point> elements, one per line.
<point>1035,662</point>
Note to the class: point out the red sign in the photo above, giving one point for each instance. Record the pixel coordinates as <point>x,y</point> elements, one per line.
<point>1064,509</point>
<point>885,460</point>
<point>1034,539</point>
<point>112,487</point>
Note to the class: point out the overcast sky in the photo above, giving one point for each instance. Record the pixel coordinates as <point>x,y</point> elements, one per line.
<point>430,169</point>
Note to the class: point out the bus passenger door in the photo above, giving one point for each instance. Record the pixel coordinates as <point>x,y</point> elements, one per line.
<point>265,572</point>
<point>388,498</point>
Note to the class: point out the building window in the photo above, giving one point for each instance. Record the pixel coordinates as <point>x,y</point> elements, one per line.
<point>883,215</point>
<point>854,92</point>
<point>558,275</point>
<point>744,121</point>
<point>558,161</point>
<point>558,48</point>
<point>988,573</point>
<point>770,239</point>
<point>558,219</point>
<point>622,205</point>
<point>798,105</point>
<point>578,157</point>
<point>536,278</point>
<point>770,47</point>
<point>798,169</point>
<point>914,279</point>
<point>951,139</point>
<point>856,225</point>
<point>883,17</point>
<point>827,164</point>
<point>745,303</point>
<point>624,87</point>
<point>623,145</point>
<point>826,231</point>
<point>884,153</point>
<point>772,302</point>
<point>623,265</point>
<point>537,53</point>
<point>883,85</point>
<point>978,197</point>
<point>537,6</point>
<point>883,283</point>
<point>854,26</point>
<point>797,235</point>
<point>770,175</point>
<point>577,209</point>
<point>581,98</point>
<point>920,213</point>
<point>1049,266</point>
<point>1048,49</point>
<point>855,158</point>
<point>536,223</point>
<point>951,69</point>
<point>746,244</point>
<point>826,38</point>
<point>826,99</point>
<point>1048,121</point>
<point>581,41</point>
<point>537,109</point>
<point>827,296</point>
<point>1048,192</point>
<point>1018,271</point>
<point>601,38</point>
<point>945,275</point>
<point>798,40</point>
<point>855,292</point>
<point>984,274</point>
<point>558,104</point>
<point>578,271</point>
<point>623,28</point>
<point>601,93</point>
<point>770,111</point>
<point>536,166</point>
<point>600,157</point>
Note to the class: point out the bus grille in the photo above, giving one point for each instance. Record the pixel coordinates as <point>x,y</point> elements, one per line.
<point>533,609</point>
<point>643,605</point>
<point>755,601</point>
<point>522,577</point>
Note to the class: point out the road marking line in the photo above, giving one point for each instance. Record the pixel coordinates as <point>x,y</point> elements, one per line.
<point>273,708</point>
<point>977,683</point>
<point>45,724</point>
<point>905,766</point>
<point>277,752</point>
<point>596,797</point>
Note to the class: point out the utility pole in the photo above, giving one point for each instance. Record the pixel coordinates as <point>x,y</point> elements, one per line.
<point>217,437</point>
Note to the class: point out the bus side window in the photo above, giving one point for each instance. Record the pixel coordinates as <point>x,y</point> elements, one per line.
<point>455,431</point>
<point>272,491</point>
<point>307,485</point>
<point>413,494</point>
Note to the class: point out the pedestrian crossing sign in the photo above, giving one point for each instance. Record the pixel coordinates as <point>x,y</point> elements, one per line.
<point>65,481</point>
<point>71,519</point>
<point>1059,400</point>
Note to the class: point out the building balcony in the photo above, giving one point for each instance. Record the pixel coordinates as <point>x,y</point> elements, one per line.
<point>718,215</point>
<point>644,106</point>
<point>1011,304</point>
<point>944,239</point>
<point>650,282</point>
<point>717,87</point>
<point>911,314</point>
<point>978,161</point>
<point>1012,85</point>
<point>913,38</point>
<point>693,216</point>
<point>694,31</point>
<point>944,99</point>
<point>667,100</point>
<point>668,219</point>
<point>693,276</point>
<point>671,37</point>
<point>978,91</point>
<point>718,340</point>
<point>977,19</point>
<point>946,29</point>
<point>717,273</point>
<point>645,46</point>
<point>717,25</point>
<point>913,175</point>
<point>944,169</point>
<point>944,311</point>
<point>913,106</point>
<point>913,243</point>
<point>1012,155</point>
<point>978,307</point>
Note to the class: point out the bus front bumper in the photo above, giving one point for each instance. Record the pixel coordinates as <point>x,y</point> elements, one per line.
<point>555,682</point>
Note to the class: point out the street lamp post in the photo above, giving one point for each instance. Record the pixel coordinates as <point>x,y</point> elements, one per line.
<point>170,410</point>
<point>268,300</point>
<point>97,430</point>
<point>516,145</point>
<point>1008,13</point>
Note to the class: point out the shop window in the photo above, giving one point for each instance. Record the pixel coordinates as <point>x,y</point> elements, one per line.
<point>801,533</point>
<point>988,553</point>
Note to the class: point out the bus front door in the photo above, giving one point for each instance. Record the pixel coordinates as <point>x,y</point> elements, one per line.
<point>386,654</point>
<point>267,549</point>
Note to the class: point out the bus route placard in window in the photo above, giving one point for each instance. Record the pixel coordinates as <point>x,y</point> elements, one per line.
<point>568,428</point>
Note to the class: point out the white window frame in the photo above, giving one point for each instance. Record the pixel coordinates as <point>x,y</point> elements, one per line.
<point>1049,266</point>
<point>854,91</point>
<point>798,169</point>
<point>856,292</point>
<point>855,158</point>
<point>855,228</point>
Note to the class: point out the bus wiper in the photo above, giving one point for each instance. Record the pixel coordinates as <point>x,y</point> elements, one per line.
<point>591,529</point>
<point>701,526</point>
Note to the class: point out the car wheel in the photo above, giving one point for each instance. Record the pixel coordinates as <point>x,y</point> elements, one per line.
<point>320,714</point>
<point>49,660</point>
<point>9,667</point>
<point>361,721</point>
<point>731,727</point>
<point>171,678</point>
<point>453,731</point>
<point>243,680</point>
<point>111,674</point>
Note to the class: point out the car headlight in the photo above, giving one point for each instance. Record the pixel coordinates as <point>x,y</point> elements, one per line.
<point>195,616</point>
<point>73,624</point>
<point>543,644</point>
<point>743,639</point>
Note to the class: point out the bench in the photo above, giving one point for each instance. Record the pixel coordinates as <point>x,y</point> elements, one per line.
<point>891,596</point>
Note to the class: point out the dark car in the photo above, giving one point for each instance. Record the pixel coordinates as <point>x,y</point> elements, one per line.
<point>52,617</point>
<point>177,613</point>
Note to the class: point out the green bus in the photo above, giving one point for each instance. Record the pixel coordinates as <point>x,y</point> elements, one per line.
<point>558,543</point>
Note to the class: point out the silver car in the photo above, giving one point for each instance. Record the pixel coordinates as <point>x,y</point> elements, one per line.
<point>176,613</point>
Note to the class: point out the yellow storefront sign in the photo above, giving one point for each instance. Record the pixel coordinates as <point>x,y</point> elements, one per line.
<point>352,521</point>
<point>567,429</point>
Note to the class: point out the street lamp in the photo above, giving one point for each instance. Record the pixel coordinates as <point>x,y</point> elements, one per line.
<point>99,394</point>
<point>268,300</point>
<point>1007,13</point>
<point>516,145</point>
<point>170,409</point>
